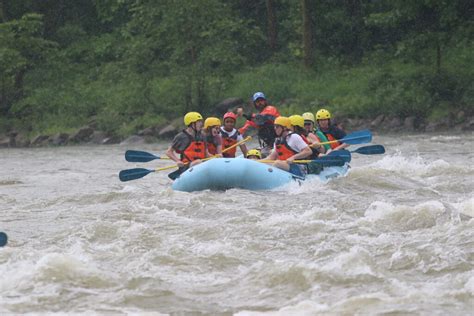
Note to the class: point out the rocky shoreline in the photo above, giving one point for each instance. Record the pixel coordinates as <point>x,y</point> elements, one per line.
<point>89,134</point>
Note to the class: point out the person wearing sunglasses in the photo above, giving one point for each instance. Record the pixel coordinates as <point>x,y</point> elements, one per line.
<point>309,125</point>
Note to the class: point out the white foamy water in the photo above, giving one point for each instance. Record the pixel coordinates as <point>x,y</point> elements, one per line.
<point>393,237</point>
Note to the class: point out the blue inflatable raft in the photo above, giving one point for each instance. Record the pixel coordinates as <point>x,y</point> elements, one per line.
<point>228,173</point>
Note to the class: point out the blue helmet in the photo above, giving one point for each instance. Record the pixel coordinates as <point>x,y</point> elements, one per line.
<point>258,95</point>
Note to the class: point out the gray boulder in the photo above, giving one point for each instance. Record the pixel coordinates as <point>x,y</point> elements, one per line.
<point>133,140</point>
<point>40,140</point>
<point>22,141</point>
<point>111,140</point>
<point>82,135</point>
<point>226,105</point>
<point>97,137</point>
<point>409,124</point>
<point>168,131</point>
<point>4,142</point>
<point>59,139</point>
<point>378,120</point>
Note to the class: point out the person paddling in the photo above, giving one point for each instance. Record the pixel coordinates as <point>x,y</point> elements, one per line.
<point>288,147</point>
<point>297,126</point>
<point>309,125</point>
<point>212,128</point>
<point>231,136</point>
<point>332,132</point>
<point>263,121</point>
<point>189,143</point>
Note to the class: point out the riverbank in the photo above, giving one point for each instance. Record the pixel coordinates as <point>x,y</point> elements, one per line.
<point>90,134</point>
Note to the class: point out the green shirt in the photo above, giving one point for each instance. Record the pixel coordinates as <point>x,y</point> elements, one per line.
<point>323,139</point>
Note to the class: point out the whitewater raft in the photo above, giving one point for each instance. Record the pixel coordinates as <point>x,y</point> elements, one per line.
<point>229,173</point>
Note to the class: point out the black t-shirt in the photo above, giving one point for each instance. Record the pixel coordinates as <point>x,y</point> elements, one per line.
<point>334,131</point>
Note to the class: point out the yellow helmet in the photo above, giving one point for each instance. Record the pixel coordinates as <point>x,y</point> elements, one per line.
<point>254,152</point>
<point>297,120</point>
<point>212,121</point>
<point>308,116</point>
<point>192,117</point>
<point>283,121</point>
<point>323,114</point>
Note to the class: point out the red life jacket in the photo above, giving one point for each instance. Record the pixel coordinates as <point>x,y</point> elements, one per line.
<point>315,152</point>
<point>195,150</point>
<point>330,137</point>
<point>283,150</point>
<point>304,139</point>
<point>228,141</point>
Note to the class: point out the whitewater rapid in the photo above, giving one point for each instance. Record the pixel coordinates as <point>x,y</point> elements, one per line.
<point>394,236</point>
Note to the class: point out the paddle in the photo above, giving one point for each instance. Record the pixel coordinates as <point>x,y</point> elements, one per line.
<point>355,138</point>
<point>341,154</point>
<point>370,150</point>
<point>323,162</point>
<point>137,173</point>
<point>140,156</point>
<point>334,158</point>
<point>3,239</point>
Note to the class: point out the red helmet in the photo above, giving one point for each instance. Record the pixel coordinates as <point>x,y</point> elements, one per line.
<point>230,115</point>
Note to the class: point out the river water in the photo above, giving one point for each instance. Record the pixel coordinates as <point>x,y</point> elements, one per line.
<point>393,237</point>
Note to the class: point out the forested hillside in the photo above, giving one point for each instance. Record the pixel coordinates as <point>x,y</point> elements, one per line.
<point>129,64</point>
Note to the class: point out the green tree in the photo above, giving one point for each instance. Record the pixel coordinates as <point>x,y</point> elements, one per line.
<point>197,42</point>
<point>22,48</point>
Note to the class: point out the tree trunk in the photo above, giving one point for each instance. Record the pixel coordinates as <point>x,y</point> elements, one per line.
<point>3,98</point>
<point>19,79</point>
<point>438,56</point>
<point>307,34</point>
<point>272,25</point>
<point>2,15</point>
<point>355,13</point>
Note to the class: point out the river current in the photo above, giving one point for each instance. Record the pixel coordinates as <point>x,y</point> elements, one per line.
<point>395,236</point>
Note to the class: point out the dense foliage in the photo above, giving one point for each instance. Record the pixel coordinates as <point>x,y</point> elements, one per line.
<point>128,64</point>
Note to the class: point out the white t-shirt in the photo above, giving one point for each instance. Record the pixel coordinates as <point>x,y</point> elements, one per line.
<point>239,137</point>
<point>295,142</point>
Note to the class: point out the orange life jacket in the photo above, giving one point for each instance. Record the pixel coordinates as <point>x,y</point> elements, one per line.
<point>195,150</point>
<point>228,141</point>
<point>211,145</point>
<point>283,150</point>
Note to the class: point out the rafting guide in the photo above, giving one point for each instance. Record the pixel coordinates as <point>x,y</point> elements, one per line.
<point>263,121</point>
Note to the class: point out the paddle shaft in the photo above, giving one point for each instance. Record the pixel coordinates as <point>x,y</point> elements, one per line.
<point>354,138</point>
